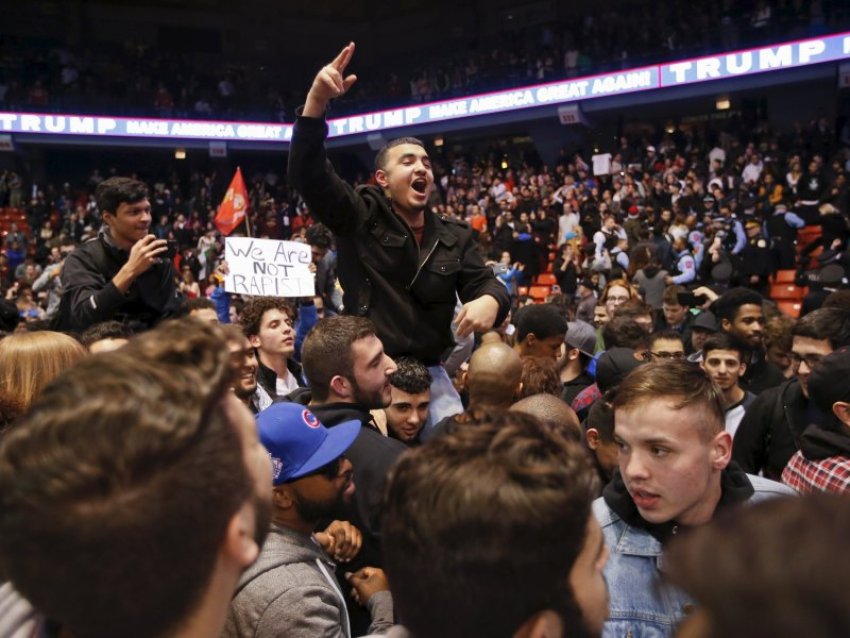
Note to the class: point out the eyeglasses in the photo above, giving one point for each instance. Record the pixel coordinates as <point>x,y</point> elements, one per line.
<point>664,355</point>
<point>330,471</point>
<point>810,359</point>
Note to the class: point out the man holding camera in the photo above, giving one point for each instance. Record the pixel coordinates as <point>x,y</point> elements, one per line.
<point>123,274</point>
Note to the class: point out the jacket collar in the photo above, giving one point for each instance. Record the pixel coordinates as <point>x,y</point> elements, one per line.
<point>822,441</point>
<point>735,489</point>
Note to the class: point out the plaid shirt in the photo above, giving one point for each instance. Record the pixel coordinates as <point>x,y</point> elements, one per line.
<point>805,476</point>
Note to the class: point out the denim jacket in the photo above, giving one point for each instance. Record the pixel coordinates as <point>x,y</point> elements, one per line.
<point>642,605</point>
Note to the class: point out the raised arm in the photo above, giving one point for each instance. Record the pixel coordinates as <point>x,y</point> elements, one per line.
<point>330,82</point>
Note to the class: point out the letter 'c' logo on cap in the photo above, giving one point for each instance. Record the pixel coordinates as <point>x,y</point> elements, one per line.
<point>310,419</point>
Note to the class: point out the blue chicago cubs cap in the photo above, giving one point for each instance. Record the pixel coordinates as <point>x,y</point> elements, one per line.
<point>297,441</point>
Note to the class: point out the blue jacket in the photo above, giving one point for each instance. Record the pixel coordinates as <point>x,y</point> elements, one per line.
<point>641,604</point>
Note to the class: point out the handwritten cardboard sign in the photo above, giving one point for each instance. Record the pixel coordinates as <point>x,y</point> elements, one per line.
<point>268,268</point>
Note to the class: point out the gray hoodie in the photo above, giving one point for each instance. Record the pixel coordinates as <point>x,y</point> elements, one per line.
<point>290,592</point>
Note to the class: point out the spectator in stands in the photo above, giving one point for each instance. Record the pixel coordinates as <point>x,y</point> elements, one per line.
<point>739,312</point>
<point>349,375</point>
<point>269,325</point>
<point>124,454</point>
<point>771,429</point>
<point>723,361</point>
<point>508,496</point>
<point>539,376</point>
<point>675,315</point>
<point>323,265</point>
<point>493,381</point>
<point>638,311</point>
<point>665,345</point>
<point>50,279</point>
<point>668,426</point>
<point>737,573</point>
<point>540,331</point>
<point>822,464</point>
<point>599,436</point>
<point>105,336</point>
<point>579,342</point>
<point>586,301</point>
<point>203,309</point>
<point>290,590</point>
<point>31,360</point>
<point>553,412</point>
<point>244,360</point>
<point>407,412</point>
<point>123,274</point>
<point>378,239</point>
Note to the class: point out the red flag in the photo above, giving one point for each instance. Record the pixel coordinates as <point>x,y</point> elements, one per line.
<point>234,206</point>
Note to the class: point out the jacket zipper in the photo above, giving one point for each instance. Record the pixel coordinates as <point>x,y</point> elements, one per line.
<point>422,263</point>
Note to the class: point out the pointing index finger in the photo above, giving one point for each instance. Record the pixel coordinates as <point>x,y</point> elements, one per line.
<point>341,61</point>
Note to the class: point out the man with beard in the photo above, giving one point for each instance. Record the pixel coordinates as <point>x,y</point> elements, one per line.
<point>674,474</point>
<point>134,494</point>
<point>349,375</point>
<point>400,265</point>
<point>244,360</point>
<point>290,591</point>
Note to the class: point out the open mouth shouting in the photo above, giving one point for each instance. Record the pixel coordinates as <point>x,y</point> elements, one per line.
<point>420,185</point>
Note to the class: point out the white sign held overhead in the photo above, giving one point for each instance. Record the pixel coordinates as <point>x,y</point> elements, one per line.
<point>268,268</point>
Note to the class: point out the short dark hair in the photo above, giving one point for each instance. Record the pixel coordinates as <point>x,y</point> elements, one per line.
<point>600,417</point>
<point>381,157</point>
<point>837,299</point>
<point>105,330</point>
<point>319,235</point>
<point>117,459</point>
<point>326,351</point>
<point>624,332</point>
<point>469,511</point>
<point>832,324</point>
<point>726,306</point>
<point>543,320</point>
<point>200,303</point>
<point>725,341</point>
<point>749,582</point>
<point>668,334</point>
<point>254,309</point>
<point>113,192</point>
<point>411,376</point>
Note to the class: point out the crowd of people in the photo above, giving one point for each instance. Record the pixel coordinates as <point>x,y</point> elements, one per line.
<point>138,79</point>
<point>416,449</point>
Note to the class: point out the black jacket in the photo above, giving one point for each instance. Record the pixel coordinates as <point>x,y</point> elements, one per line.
<point>90,297</point>
<point>407,291</point>
<point>771,430</point>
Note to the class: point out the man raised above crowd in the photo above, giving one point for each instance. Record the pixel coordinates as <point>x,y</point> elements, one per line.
<point>399,264</point>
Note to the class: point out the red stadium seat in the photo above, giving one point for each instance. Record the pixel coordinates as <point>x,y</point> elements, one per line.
<point>784,277</point>
<point>790,308</point>
<point>522,291</point>
<point>545,279</point>
<point>787,292</point>
<point>539,293</point>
